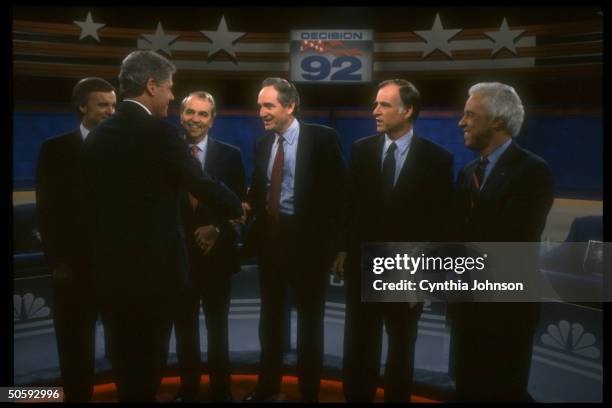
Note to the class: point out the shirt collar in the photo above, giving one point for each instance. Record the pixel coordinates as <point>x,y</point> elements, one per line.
<point>291,133</point>
<point>202,144</point>
<point>84,131</point>
<point>494,157</point>
<point>403,143</point>
<point>138,103</point>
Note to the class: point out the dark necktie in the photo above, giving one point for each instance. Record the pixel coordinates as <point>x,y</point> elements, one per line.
<point>475,185</point>
<point>388,172</point>
<point>276,180</point>
<point>193,202</point>
<point>478,175</point>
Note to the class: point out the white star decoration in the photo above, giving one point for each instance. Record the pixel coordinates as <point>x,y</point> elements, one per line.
<point>160,40</point>
<point>504,38</point>
<point>437,38</point>
<point>89,28</point>
<point>222,40</point>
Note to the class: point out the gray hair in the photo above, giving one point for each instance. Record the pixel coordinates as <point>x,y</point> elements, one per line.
<point>503,103</point>
<point>140,66</point>
<point>287,93</point>
<point>205,96</point>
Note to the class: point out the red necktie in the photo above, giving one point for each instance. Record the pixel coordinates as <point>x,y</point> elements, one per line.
<point>193,202</point>
<point>475,184</point>
<point>276,180</point>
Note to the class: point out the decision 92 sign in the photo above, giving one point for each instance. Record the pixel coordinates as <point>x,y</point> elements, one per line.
<point>331,56</point>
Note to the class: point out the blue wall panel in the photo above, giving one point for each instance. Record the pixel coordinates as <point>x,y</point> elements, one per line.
<point>573,146</point>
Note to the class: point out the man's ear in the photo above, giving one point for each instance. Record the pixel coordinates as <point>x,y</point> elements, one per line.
<point>151,87</point>
<point>82,109</point>
<point>408,112</point>
<point>291,108</point>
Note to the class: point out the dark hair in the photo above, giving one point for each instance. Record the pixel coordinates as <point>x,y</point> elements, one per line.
<point>205,96</point>
<point>409,95</point>
<point>287,94</point>
<point>81,91</point>
<point>140,66</point>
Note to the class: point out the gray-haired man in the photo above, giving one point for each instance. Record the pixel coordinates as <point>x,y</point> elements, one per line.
<point>503,196</point>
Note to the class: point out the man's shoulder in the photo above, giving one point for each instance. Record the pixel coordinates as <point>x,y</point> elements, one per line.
<point>267,137</point>
<point>317,130</point>
<point>61,139</point>
<point>225,147</point>
<point>528,157</point>
<point>368,141</point>
<point>433,149</point>
<point>153,125</point>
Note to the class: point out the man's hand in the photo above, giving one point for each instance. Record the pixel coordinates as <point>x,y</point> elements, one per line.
<point>63,274</point>
<point>205,237</point>
<point>246,210</point>
<point>337,267</point>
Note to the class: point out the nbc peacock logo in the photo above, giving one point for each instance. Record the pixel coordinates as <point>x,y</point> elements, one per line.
<point>28,307</point>
<point>571,338</point>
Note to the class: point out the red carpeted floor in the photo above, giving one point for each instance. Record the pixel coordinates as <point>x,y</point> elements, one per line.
<point>331,391</point>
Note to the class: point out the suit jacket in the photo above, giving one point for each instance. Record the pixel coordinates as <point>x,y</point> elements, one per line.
<point>511,207</point>
<point>135,167</point>
<point>513,203</point>
<point>420,201</point>
<point>318,188</point>
<point>224,162</point>
<point>57,203</point>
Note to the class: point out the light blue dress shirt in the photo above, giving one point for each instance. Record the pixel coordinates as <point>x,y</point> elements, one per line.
<point>203,145</point>
<point>493,159</point>
<point>290,145</point>
<point>403,147</point>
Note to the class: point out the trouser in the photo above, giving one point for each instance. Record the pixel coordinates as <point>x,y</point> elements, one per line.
<point>138,330</point>
<point>492,346</point>
<point>213,289</point>
<point>363,346</point>
<point>74,320</point>
<point>284,265</point>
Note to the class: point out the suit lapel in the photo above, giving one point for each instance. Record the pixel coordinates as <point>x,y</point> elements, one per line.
<point>264,157</point>
<point>374,163</point>
<point>304,150</point>
<point>411,163</point>
<point>499,173</point>
<point>76,140</point>
<point>378,146</point>
<point>210,161</point>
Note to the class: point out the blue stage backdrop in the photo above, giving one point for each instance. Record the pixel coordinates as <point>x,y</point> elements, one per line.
<point>571,144</point>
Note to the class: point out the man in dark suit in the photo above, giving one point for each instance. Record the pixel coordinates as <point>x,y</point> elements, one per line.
<point>213,256</point>
<point>503,196</point>
<point>296,196</point>
<point>135,165</point>
<point>57,204</point>
<point>399,191</point>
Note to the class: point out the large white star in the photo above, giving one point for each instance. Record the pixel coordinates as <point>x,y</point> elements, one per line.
<point>504,38</point>
<point>160,40</point>
<point>89,28</point>
<point>222,40</point>
<point>437,38</point>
